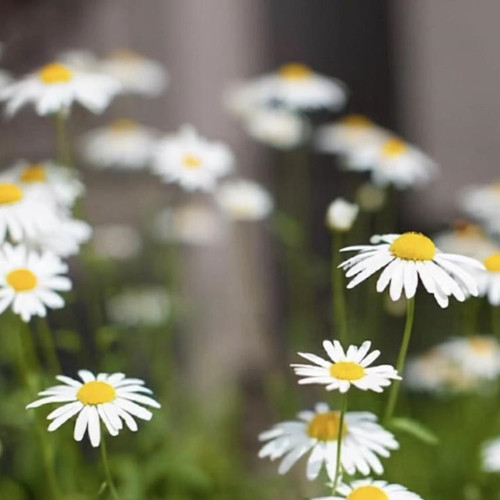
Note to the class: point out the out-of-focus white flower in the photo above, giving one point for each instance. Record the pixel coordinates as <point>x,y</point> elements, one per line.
<point>489,280</point>
<point>482,202</point>
<point>243,199</point>
<point>191,161</point>
<point>117,241</point>
<point>136,73</point>
<point>190,223</point>
<point>370,198</point>
<point>141,306</point>
<point>278,128</point>
<point>242,99</point>
<point>341,215</point>
<point>80,59</point>
<point>55,87</point>
<point>297,87</point>
<point>123,144</point>
<point>45,177</point>
<point>491,455</point>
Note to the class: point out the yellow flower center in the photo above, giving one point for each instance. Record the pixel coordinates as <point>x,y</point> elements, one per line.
<point>10,193</point>
<point>347,370</point>
<point>191,161</point>
<point>55,73</point>
<point>34,173</point>
<point>22,280</point>
<point>325,426</point>
<point>295,71</point>
<point>492,263</point>
<point>368,493</point>
<point>394,147</point>
<point>96,393</point>
<point>413,246</point>
<point>357,121</point>
<point>123,125</point>
<point>481,345</point>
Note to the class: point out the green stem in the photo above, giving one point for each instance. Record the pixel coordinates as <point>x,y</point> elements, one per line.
<point>48,346</point>
<point>62,141</point>
<point>111,484</point>
<point>495,320</point>
<point>338,462</point>
<point>339,303</point>
<point>403,351</point>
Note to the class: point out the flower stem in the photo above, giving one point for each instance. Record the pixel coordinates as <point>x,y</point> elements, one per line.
<point>62,142</point>
<point>339,303</point>
<point>111,484</point>
<point>338,461</point>
<point>403,351</point>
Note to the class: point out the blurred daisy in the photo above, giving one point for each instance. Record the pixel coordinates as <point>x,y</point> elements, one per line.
<point>345,369</point>
<point>407,259</point>
<point>29,281</point>
<point>136,73</point>
<point>123,144</point>
<point>107,399</point>
<point>491,455</point>
<point>55,87</point>
<point>341,215</point>
<point>367,489</point>
<point>243,199</point>
<point>278,128</point>
<point>191,161</point>
<point>116,241</point>
<point>297,87</point>
<point>82,60</point>
<point>483,202</point>
<point>242,99</point>
<point>317,432</point>
<point>47,179</point>
<point>489,279</point>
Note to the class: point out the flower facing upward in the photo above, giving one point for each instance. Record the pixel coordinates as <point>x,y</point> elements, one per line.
<point>55,87</point>
<point>408,259</point>
<point>341,215</point>
<point>29,281</point>
<point>317,432</point>
<point>345,369</point>
<point>191,161</point>
<point>110,399</point>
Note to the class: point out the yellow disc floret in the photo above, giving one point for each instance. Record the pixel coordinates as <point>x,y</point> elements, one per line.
<point>492,263</point>
<point>295,71</point>
<point>55,73</point>
<point>96,393</point>
<point>347,370</point>
<point>22,280</point>
<point>368,493</point>
<point>34,173</point>
<point>357,121</point>
<point>10,193</point>
<point>326,426</point>
<point>191,161</point>
<point>394,147</point>
<point>413,246</point>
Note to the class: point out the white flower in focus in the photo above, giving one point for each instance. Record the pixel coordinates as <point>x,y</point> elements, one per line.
<point>317,432</point>
<point>123,144</point>
<point>410,258</point>
<point>55,87</point>
<point>108,399</point>
<point>191,161</point>
<point>491,455</point>
<point>29,281</point>
<point>368,489</point>
<point>136,74</point>
<point>297,87</point>
<point>116,241</point>
<point>243,199</point>
<point>341,215</point>
<point>346,369</point>
<point>489,280</point>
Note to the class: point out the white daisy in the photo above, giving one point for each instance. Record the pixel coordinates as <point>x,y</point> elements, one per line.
<point>346,369</point>
<point>45,178</point>
<point>242,99</point>
<point>243,199</point>
<point>489,279</point>
<point>316,432</point>
<point>297,87</point>
<point>136,74</point>
<point>368,489</point>
<point>108,398</point>
<point>191,161</point>
<point>80,59</point>
<point>55,87</point>
<point>341,215</point>
<point>491,455</point>
<point>29,281</point>
<point>123,144</point>
<point>407,259</point>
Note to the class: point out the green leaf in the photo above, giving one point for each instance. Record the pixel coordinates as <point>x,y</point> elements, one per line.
<point>415,429</point>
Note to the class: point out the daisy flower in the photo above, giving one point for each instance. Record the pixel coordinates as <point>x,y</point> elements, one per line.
<point>243,199</point>
<point>491,455</point>
<point>110,399</point>
<point>489,280</point>
<point>123,144</point>
<point>29,281</point>
<point>317,432</point>
<point>406,260</point>
<point>367,489</point>
<point>136,73</point>
<point>341,215</point>
<point>55,87</point>
<point>345,369</point>
<point>80,59</point>
<point>191,161</point>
